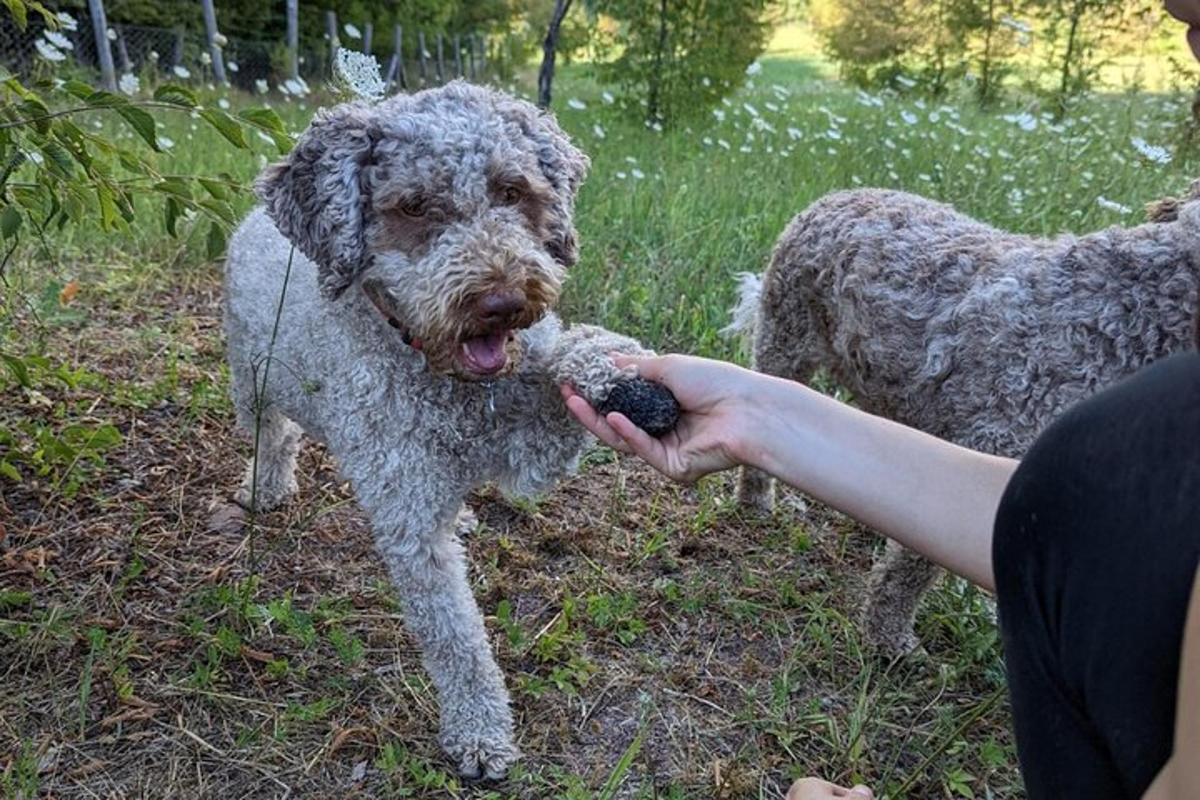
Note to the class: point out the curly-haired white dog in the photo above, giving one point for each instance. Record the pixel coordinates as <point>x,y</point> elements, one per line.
<point>432,233</point>
<point>972,334</point>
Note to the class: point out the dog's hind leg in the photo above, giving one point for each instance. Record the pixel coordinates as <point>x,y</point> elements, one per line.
<point>780,349</point>
<point>898,581</point>
<point>271,472</point>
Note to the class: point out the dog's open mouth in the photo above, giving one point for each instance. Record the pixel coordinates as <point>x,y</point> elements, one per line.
<point>486,354</point>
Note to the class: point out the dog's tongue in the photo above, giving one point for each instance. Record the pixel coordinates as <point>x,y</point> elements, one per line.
<point>486,354</point>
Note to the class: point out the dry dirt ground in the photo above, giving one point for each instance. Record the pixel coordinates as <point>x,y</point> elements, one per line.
<point>155,642</point>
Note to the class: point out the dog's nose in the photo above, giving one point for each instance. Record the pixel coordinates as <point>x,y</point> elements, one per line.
<point>496,306</point>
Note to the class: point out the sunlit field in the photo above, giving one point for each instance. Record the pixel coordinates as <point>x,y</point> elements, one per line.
<point>657,643</point>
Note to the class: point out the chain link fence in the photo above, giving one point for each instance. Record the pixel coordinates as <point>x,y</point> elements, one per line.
<point>182,54</point>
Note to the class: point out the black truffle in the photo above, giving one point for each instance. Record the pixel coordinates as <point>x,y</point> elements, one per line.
<point>649,405</point>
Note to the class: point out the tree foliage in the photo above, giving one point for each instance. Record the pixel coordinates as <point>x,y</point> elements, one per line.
<point>679,56</point>
<point>938,42</point>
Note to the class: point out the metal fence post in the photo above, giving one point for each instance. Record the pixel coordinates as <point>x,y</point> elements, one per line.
<point>123,52</point>
<point>368,36</point>
<point>395,73</point>
<point>441,62</point>
<point>103,49</point>
<point>422,52</point>
<point>331,32</point>
<point>293,38</point>
<point>458,70</point>
<point>214,49</point>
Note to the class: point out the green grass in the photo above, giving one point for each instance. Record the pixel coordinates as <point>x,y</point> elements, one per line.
<point>729,646</point>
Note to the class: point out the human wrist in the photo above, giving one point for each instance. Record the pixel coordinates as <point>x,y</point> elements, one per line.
<point>761,414</point>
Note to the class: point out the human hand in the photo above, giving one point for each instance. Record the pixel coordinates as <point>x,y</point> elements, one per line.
<point>711,429</point>
<point>1188,11</point>
<point>817,789</point>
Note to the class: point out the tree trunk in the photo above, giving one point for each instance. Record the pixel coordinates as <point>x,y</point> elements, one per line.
<point>985,86</point>
<point>656,76</point>
<point>1072,36</point>
<point>549,49</point>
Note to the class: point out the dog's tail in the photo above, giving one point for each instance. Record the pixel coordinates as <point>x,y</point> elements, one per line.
<point>744,315</point>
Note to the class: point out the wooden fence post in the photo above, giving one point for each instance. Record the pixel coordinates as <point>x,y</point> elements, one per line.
<point>471,55</point>
<point>368,36</point>
<point>108,74</point>
<point>458,70</point>
<point>441,66</point>
<point>210,34</point>
<point>422,52</point>
<point>293,38</point>
<point>331,32</point>
<point>482,55</point>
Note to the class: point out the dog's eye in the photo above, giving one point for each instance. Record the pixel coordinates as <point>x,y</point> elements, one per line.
<point>510,195</point>
<point>417,207</point>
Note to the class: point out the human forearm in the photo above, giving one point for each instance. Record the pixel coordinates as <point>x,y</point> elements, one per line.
<point>932,496</point>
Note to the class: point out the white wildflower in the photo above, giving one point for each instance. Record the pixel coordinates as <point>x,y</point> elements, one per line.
<point>219,40</point>
<point>907,83</point>
<point>112,35</point>
<point>598,131</point>
<point>1025,121</point>
<point>129,83</point>
<point>719,114</point>
<point>359,73</point>
<point>723,143</point>
<point>181,71</point>
<point>576,104</point>
<point>165,143</point>
<point>352,31</point>
<point>751,110</point>
<point>637,173</point>
<point>707,141</point>
<point>1151,152</point>
<point>746,149</point>
<point>49,51</point>
<point>608,98</point>
<point>265,137</point>
<point>67,22</point>
<point>261,86</point>
<point>772,107</point>
<point>622,175</point>
<point>754,68</point>
<point>833,133</point>
<point>35,157</point>
<point>909,117</point>
<point>223,103</point>
<point>705,82</point>
<point>795,133</point>
<point>58,40</point>
<point>1111,205</point>
<point>205,59</point>
<point>231,66</point>
<point>153,56</point>
<point>924,176</point>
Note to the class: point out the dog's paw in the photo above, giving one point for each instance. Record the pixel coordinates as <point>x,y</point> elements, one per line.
<point>465,523</point>
<point>891,641</point>
<point>649,405</point>
<point>264,497</point>
<point>480,756</point>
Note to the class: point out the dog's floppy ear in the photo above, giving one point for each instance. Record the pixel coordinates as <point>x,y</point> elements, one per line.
<point>564,166</point>
<point>315,196</point>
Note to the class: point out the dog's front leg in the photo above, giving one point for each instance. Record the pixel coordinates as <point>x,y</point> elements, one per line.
<point>580,357</point>
<point>429,568</point>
